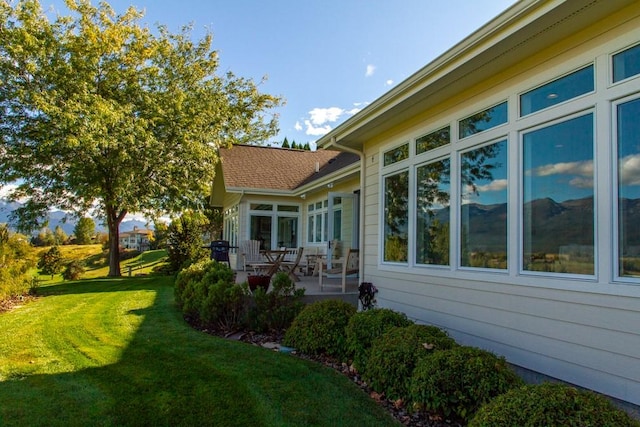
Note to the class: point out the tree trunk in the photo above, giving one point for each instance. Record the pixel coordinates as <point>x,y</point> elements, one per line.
<point>113,223</point>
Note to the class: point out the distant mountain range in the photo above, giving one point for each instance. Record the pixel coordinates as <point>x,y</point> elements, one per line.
<point>57,218</point>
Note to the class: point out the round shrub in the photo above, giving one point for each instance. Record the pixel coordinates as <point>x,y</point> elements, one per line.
<point>394,355</point>
<point>365,326</point>
<point>320,328</point>
<point>551,404</point>
<point>73,271</point>
<point>458,381</point>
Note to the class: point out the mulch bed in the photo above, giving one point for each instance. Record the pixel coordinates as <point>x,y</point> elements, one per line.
<point>10,304</point>
<point>396,408</point>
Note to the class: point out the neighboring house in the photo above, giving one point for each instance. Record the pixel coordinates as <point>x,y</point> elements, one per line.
<point>137,239</point>
<point>287,197</point>
<point>501,191</point>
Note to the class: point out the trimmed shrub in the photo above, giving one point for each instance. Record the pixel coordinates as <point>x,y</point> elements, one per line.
<point>207,295</point>
<point>551,404</point>
<point>276,309</point>
<point>394,355</point>
<point>320,328</point>
<point>365,326</point>
<point>458,381</point>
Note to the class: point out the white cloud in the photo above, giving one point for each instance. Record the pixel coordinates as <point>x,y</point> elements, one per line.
<point>370,70</point>
<point>7,189</point>
<point>584,169</point>
<point>630,170</point>
<point>320,116</point>
<point>316,130</point>
<point>297,126</point>
<point>496,185</point>
<point>389,82</point>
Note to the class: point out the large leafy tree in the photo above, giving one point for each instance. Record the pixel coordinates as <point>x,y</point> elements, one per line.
<point>97,110</point>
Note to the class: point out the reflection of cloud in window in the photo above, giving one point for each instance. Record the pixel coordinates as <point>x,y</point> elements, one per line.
<point>581,182</point>
<point>584,168</point>
<point>496,185</point>
<point>630,170</point>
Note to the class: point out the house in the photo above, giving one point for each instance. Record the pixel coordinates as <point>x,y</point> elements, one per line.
<point>287,198</point>
<point>138,239</point>
<point>500,191</point>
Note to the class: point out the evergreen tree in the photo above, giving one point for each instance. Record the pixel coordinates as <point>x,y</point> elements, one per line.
<point>51,262</point>
<point>84,230</point>
<point>285,143</point>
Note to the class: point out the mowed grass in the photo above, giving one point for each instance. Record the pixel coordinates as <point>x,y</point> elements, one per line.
<point>116,352</point>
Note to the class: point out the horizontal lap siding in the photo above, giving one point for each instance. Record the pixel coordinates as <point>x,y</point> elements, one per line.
<point>589,340</point>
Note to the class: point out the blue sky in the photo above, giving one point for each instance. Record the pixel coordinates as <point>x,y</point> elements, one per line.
<point>327,58</point>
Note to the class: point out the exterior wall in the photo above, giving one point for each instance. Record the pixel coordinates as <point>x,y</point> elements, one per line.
<point>580,330</point>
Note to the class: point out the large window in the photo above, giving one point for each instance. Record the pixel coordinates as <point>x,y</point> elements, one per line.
<point>317,220</point>
<point>396,217</point>
<point>628,138</point>
<point>483,206</point>
<point>230,225</point>
<point>558,210</point>
<point>274,225</point>
<point>432,213</point>
<point>484,120</point>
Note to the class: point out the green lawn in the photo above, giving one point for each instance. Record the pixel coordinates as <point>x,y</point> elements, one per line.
<point>107,352</point>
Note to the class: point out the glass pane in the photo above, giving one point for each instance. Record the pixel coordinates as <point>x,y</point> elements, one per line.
<point>487,119</point>
<point>629,188</point>
<point>396,155</point>
<point>432,212</point>
<point>261,230</point>
<point>626,63</point>
<point>318,237</point>
<point>557,91</point>
<point>433,140</point>
<point>483,200</point>
<point>558,222</point>
<point>287,232</point>
<point>261,207</point>
<point>310,229</point>
<point>396,217</point>
<point>337,224</point>
<point>287,208</point>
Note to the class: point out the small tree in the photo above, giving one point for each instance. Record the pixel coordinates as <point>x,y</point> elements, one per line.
<point>285,143</point>
<point>161,230</point>
<point>184,241</point>
<point>44,238</point>
<point>51,262</point>
<point>59,236</point>
<point>84,230</point>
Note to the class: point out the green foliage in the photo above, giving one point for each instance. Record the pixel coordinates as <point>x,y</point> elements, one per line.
<point>366,326</point>
<point>17,257</point>
<point>184,242</point>
<point>320,328</point>
<point>160,233</point>
<point>45,237</point>
<point>458,381</point>
<point>51,262</point>
<point>73,270</point>
<point>394,355</point>
<point>60,237</point>
<point>207,295</point>
<point>98,108</point>
<point>551,404</point>
<point>84,230</point>
<point>276,309</point>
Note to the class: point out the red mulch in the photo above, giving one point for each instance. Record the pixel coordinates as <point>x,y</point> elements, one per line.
<point>10,304</point>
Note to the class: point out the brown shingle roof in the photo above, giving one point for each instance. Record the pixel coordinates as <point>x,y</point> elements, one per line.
<point>252,166</point>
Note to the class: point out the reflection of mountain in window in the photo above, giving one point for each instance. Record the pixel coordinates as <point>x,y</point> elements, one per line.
<point>558,211</point>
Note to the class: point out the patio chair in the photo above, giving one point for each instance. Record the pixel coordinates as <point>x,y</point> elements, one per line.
<point>290,267</point>
<point>349,265</point>
<point>250,251</point>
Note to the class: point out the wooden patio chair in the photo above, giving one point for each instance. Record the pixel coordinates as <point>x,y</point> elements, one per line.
<point>290,267</point>
<point>250,251</point>
<point>349,265</point>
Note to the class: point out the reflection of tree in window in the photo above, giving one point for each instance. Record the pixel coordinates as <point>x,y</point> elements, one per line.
<point>432,240</point>
<point>483,120</point>
<point>396,195</point>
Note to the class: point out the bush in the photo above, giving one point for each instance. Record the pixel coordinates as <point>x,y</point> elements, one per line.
<point>551,405</point>
<point>460,380</point>
<point>275,310</point>
<point>73,270</point>
<point>320,328</point>
<point>51,262</point>
<point>366,326</point>
<point>208,296</point>
<point>184,242</point>
<point>394,355</point>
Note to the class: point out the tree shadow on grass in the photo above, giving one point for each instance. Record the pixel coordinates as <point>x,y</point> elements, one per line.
<point>166,376</point>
